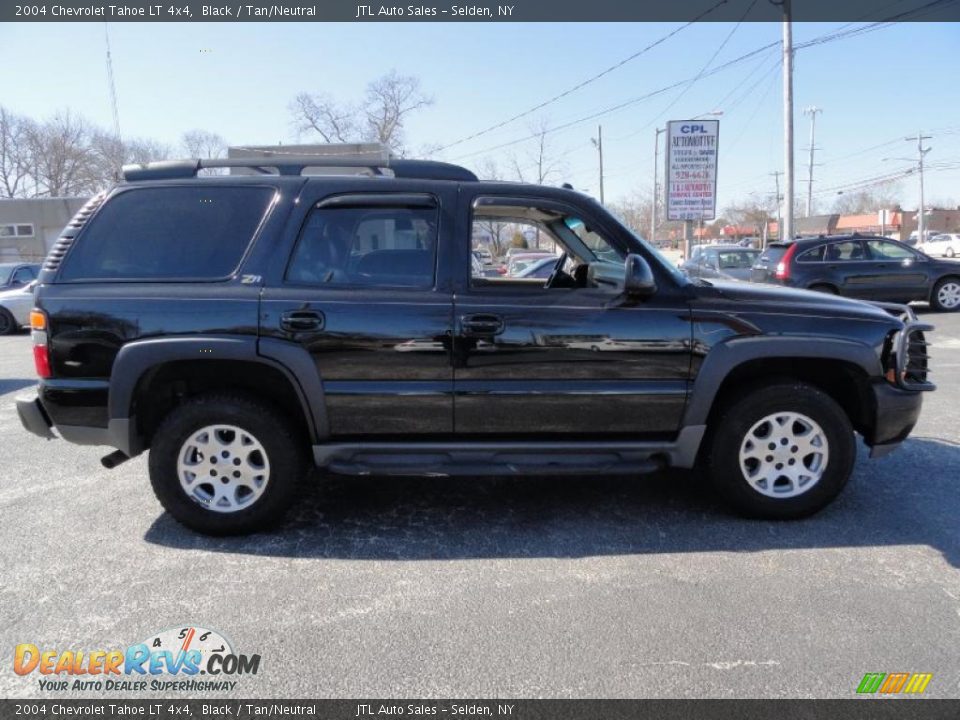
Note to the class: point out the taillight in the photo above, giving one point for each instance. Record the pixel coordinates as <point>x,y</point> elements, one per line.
<point>783,267</point>
<point>41,356</point>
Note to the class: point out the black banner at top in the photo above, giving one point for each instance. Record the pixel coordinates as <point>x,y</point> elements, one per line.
<point>479,11</point>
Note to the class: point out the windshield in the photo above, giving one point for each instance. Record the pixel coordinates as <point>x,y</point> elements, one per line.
<point>674,271</point>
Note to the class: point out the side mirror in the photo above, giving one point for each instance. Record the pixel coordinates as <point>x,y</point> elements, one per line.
<point>638,279</point>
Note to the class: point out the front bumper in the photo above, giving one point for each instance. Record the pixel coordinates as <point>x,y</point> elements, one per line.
<point>897,411</point>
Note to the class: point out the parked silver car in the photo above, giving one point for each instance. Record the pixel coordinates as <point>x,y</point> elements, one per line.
<point>721,262</point>
<point>15,307</point>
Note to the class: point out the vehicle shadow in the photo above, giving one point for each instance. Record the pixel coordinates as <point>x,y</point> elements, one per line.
<point>907,498</point>
<point>9,385</point>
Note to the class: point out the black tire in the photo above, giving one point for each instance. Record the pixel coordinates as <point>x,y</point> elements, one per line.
<point>738,418</point>
<point>824,288</point>
<point>283,445</point>
<point>8,324</point>
<point>935,300</point>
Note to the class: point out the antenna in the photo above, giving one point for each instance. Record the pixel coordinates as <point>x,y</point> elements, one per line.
<point>113,87</point>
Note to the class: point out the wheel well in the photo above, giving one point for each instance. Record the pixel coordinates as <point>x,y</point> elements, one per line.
<point>843,381</point>
<point>164,386</point>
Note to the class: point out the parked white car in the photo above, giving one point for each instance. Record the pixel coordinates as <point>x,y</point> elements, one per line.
<point>15,307</point>
<point>943,245</point>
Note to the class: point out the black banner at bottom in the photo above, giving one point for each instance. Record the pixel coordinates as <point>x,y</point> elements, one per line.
<point>854,709</point>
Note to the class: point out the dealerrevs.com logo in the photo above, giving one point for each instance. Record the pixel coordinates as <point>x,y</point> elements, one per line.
<point>170,660</point>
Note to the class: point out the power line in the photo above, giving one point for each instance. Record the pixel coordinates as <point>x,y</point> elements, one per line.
<point>830,37</point>
<point>586,82</point>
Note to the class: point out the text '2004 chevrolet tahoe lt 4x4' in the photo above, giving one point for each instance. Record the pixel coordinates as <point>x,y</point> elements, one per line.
<point>242,327</point>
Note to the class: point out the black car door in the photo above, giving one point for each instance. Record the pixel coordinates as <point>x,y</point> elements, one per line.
<point>361,292</point>
<point>898,273</point>
<point>578,359</point>
<point>848,267</point>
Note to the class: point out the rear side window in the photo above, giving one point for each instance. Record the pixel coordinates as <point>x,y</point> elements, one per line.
<point>175,233</point>
<point>385,246</point>
<point>773,253</point>
<point>812,255</point>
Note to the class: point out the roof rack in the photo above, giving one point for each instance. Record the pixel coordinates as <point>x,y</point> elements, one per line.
<point>296,164</point>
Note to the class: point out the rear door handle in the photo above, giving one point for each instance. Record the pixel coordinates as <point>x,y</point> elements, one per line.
<point>482,325</point>
<point>302,320</point>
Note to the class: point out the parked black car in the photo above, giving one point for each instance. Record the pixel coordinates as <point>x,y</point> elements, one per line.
<point>242,327</point>
<point>861,266</point>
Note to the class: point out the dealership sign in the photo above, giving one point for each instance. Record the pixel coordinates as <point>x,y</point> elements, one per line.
<point>692,169</point>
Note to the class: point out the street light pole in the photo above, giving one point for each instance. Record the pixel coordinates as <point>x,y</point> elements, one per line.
<point>656,167</point>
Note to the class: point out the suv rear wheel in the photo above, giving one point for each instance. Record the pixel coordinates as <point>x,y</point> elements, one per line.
<point>781,451</point>
<point>224,464</point>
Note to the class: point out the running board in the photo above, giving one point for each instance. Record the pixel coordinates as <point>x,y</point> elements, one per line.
<point>508,458</point>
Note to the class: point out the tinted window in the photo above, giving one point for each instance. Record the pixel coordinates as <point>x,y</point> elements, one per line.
<point>393,246</point>
<point>736,259</point>
<point>812,255</point>
<point>843,251</point>
<point>169,233</point>
<point>880,250</point>
<point>773,253</point>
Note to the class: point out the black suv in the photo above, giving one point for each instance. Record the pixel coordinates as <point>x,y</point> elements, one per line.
<point>861,266</point>
<point>244,327</point>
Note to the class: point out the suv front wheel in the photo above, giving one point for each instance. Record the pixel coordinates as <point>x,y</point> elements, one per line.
<point>781,451</point>
<point>224,464</point>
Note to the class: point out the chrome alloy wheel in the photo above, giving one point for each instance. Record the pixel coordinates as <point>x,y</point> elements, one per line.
<point>223,467</point>
<point>948,295</point>
<point>784,455</point>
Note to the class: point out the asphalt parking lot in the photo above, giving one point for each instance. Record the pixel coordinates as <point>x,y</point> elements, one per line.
<point>431,587</point>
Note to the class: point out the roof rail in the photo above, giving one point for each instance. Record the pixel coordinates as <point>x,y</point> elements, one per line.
<point>296,164</point>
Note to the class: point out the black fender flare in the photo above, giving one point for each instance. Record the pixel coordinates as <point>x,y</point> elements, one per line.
<point>725,357</point>
<point>138,357</point>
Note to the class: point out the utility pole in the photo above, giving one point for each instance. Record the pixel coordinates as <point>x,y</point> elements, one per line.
<point>779,198</point>
<point>812,112</point>
<point>788,233</point>
<point>656,187</point>
<point>598,144</point>
<point>921,152</point>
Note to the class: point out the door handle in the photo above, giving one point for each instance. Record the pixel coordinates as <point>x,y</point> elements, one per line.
<point>302,320</point>
<point>482,325</point>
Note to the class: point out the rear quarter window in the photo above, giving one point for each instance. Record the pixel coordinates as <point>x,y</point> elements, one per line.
<point>174,233</point>
<point>811,255</point>
<point>772,254</point>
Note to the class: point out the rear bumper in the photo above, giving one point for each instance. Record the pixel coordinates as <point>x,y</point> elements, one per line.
<point>118,433</point>
<point>897,411</point>
<point>34,418</point>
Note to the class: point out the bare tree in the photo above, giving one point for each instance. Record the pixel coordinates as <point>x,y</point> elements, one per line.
<point>203,144</point>
<point>61,160</point>
<point>320,113</point>
<point>868,200</point>
<point>542,164</point>
<point>635,211</point>
<point>389,100</point>
<point>15,161</point>
<point>380,117</point>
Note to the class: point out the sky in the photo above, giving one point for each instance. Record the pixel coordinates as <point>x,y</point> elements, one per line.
<point>239,79</point>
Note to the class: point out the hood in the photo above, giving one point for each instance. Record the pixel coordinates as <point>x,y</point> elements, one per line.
<point>760,296</point>
<point>16,292</point>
